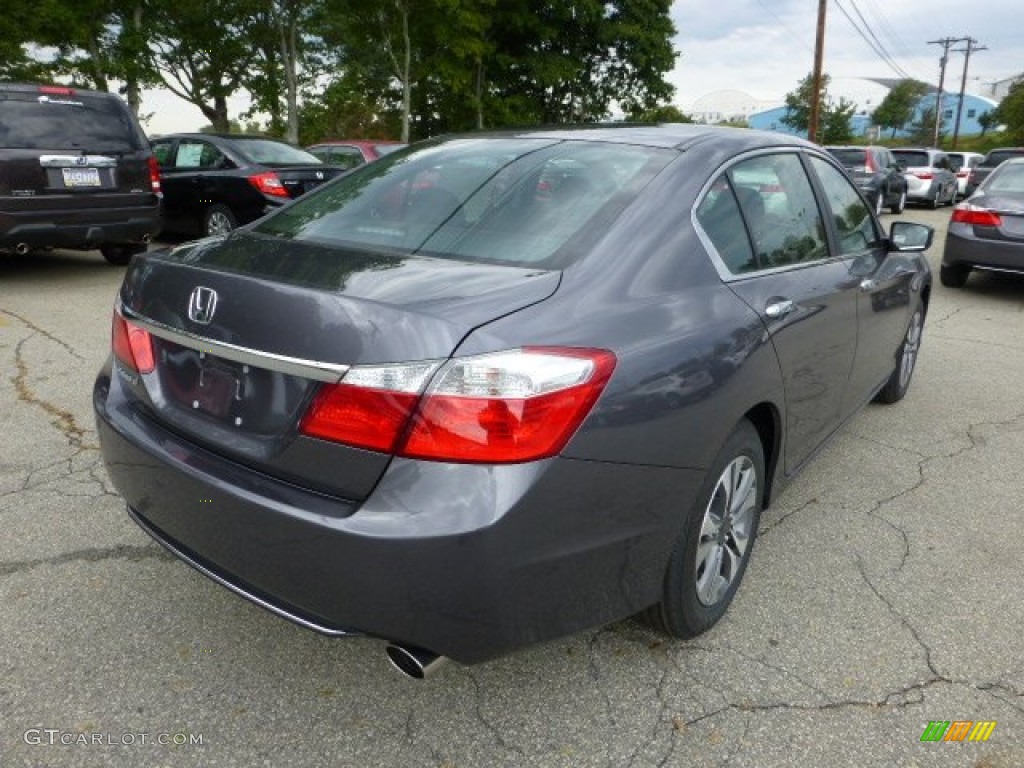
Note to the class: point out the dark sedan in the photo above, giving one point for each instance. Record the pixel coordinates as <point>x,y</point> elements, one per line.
<point>507,386</point>
<point>214,182</point>
<point>987,231</point>
<point>350,153</point>
<point>989,163</point>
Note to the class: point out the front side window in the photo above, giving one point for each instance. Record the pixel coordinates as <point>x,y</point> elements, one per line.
<point>853,220</point>
<point>780,210</point>
<point>197,154</point>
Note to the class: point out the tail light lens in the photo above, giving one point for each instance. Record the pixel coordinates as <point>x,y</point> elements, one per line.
<point>370,407</point>
<point>965,213</point>
<point>514,406</point>
<point>269,184</point>
<point>924,175</point>
<point>56,90</point>
<point>132,345</point>
<point>154,175</point>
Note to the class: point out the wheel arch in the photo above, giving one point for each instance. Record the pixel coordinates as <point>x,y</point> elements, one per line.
<point>767,421</point>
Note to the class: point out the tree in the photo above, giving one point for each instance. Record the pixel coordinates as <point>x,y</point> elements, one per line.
<point>987,121</point>
<point>1010,112</point>
<point>836,128</point>
<point>202,52</point>
<point>898,107</point>
<point>668,113</point>
<point>834,116</point>
<point>798,103</point>
<point>922,130</point>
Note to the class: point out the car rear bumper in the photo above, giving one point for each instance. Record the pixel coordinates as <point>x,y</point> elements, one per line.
<point>79,228</point>
<point>467,561</point>
<point>964,248</point>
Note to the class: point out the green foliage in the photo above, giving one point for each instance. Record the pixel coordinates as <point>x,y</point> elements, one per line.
<point>798,102</point>
<point>667,113</point>
<point>922,130</point>
<point>835,122</point>
<point>987,121</point>
<point>1010,112</point>
<point>898,107</point>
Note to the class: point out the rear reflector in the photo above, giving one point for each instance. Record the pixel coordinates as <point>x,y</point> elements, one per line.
<point>132,345</point>
<point>269,184</point>
<point>514,406</point>
<point>965,213</point>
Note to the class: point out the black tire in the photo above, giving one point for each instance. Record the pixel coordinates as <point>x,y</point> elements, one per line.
<point>954,276</point>
<point>218,220</point>
<point>900,204</point>
<point>906,359</point>
<point>120,255</point>
<point>683,612</point>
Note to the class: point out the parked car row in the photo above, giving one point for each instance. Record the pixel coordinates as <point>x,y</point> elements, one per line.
<point>77,171</point>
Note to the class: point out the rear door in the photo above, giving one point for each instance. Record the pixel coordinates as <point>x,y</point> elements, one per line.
<point>65,148</point>
<point>806,299</point>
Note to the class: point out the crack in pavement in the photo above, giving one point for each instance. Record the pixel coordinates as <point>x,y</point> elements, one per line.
<point>43,332</point>
<point>63,420</point>
<point>978,342</point>
<point>491,728</point>
<point>130,552</point>
<point>768,528</point>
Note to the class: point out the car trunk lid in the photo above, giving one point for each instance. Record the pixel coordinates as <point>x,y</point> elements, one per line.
<point>300,179</point>
<point>246,329</point>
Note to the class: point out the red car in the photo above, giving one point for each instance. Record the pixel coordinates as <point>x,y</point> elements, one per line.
<point>348,154</point>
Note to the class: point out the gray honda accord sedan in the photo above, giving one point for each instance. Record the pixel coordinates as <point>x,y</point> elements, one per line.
<point>498,388</point>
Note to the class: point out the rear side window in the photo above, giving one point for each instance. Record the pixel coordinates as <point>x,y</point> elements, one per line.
<point>530,202</point>
<point>65,122</point>
<point>1007,178</point>
<point>719,216</point>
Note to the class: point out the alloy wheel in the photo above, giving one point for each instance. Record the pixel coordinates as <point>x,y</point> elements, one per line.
<point>726,530</point>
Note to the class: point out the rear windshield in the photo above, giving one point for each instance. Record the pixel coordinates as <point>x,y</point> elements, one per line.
<point>997,156</point>
<point>269,152</point>
<point>387,149</point>
<point>849,157</point>
<point>524,202</point>
<point>1006,178</point>
<point>65,122</point>
<point>912,159</point>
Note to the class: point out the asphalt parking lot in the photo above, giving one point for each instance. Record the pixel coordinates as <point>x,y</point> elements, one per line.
<point>886,591</point>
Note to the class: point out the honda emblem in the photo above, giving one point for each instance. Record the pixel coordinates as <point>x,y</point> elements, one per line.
<point>202,304</point>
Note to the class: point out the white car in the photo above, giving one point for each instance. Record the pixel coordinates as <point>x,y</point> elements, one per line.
<point>962,163</point>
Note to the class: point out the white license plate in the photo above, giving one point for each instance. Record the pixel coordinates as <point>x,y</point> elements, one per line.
<point>81,177</point>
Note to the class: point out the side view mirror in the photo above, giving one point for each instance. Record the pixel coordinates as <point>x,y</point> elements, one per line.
<point>908,237</point>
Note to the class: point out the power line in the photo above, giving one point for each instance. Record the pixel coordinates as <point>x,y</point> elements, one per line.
<point>880,52</point>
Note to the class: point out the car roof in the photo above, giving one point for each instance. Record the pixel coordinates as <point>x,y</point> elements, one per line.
<point>354,142</point>
<point>666,135</point>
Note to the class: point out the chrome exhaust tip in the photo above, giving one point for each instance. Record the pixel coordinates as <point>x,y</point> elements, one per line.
<point>146,239</point>
<point>413,662</point>
<point>21,249</point>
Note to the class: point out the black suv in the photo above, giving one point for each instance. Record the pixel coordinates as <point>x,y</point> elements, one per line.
<point>875,171</point>
<point>76,171</point>
<point>991,161</point>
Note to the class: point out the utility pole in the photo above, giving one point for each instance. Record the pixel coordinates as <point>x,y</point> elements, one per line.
<point>972,45</point>
<point>819,54</point>
<point>945,42</point>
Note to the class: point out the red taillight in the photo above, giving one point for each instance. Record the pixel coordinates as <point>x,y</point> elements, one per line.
<point>514,406</point>
<point>365,418</point>
<point>924,175</point>
<point>56,90</point>
<point>269,184</point>
<point>132,345</point>
<point>965,213</point>
<point>154,174</point>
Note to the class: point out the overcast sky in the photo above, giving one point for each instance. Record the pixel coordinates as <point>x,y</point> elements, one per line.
<point>764,47</point>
